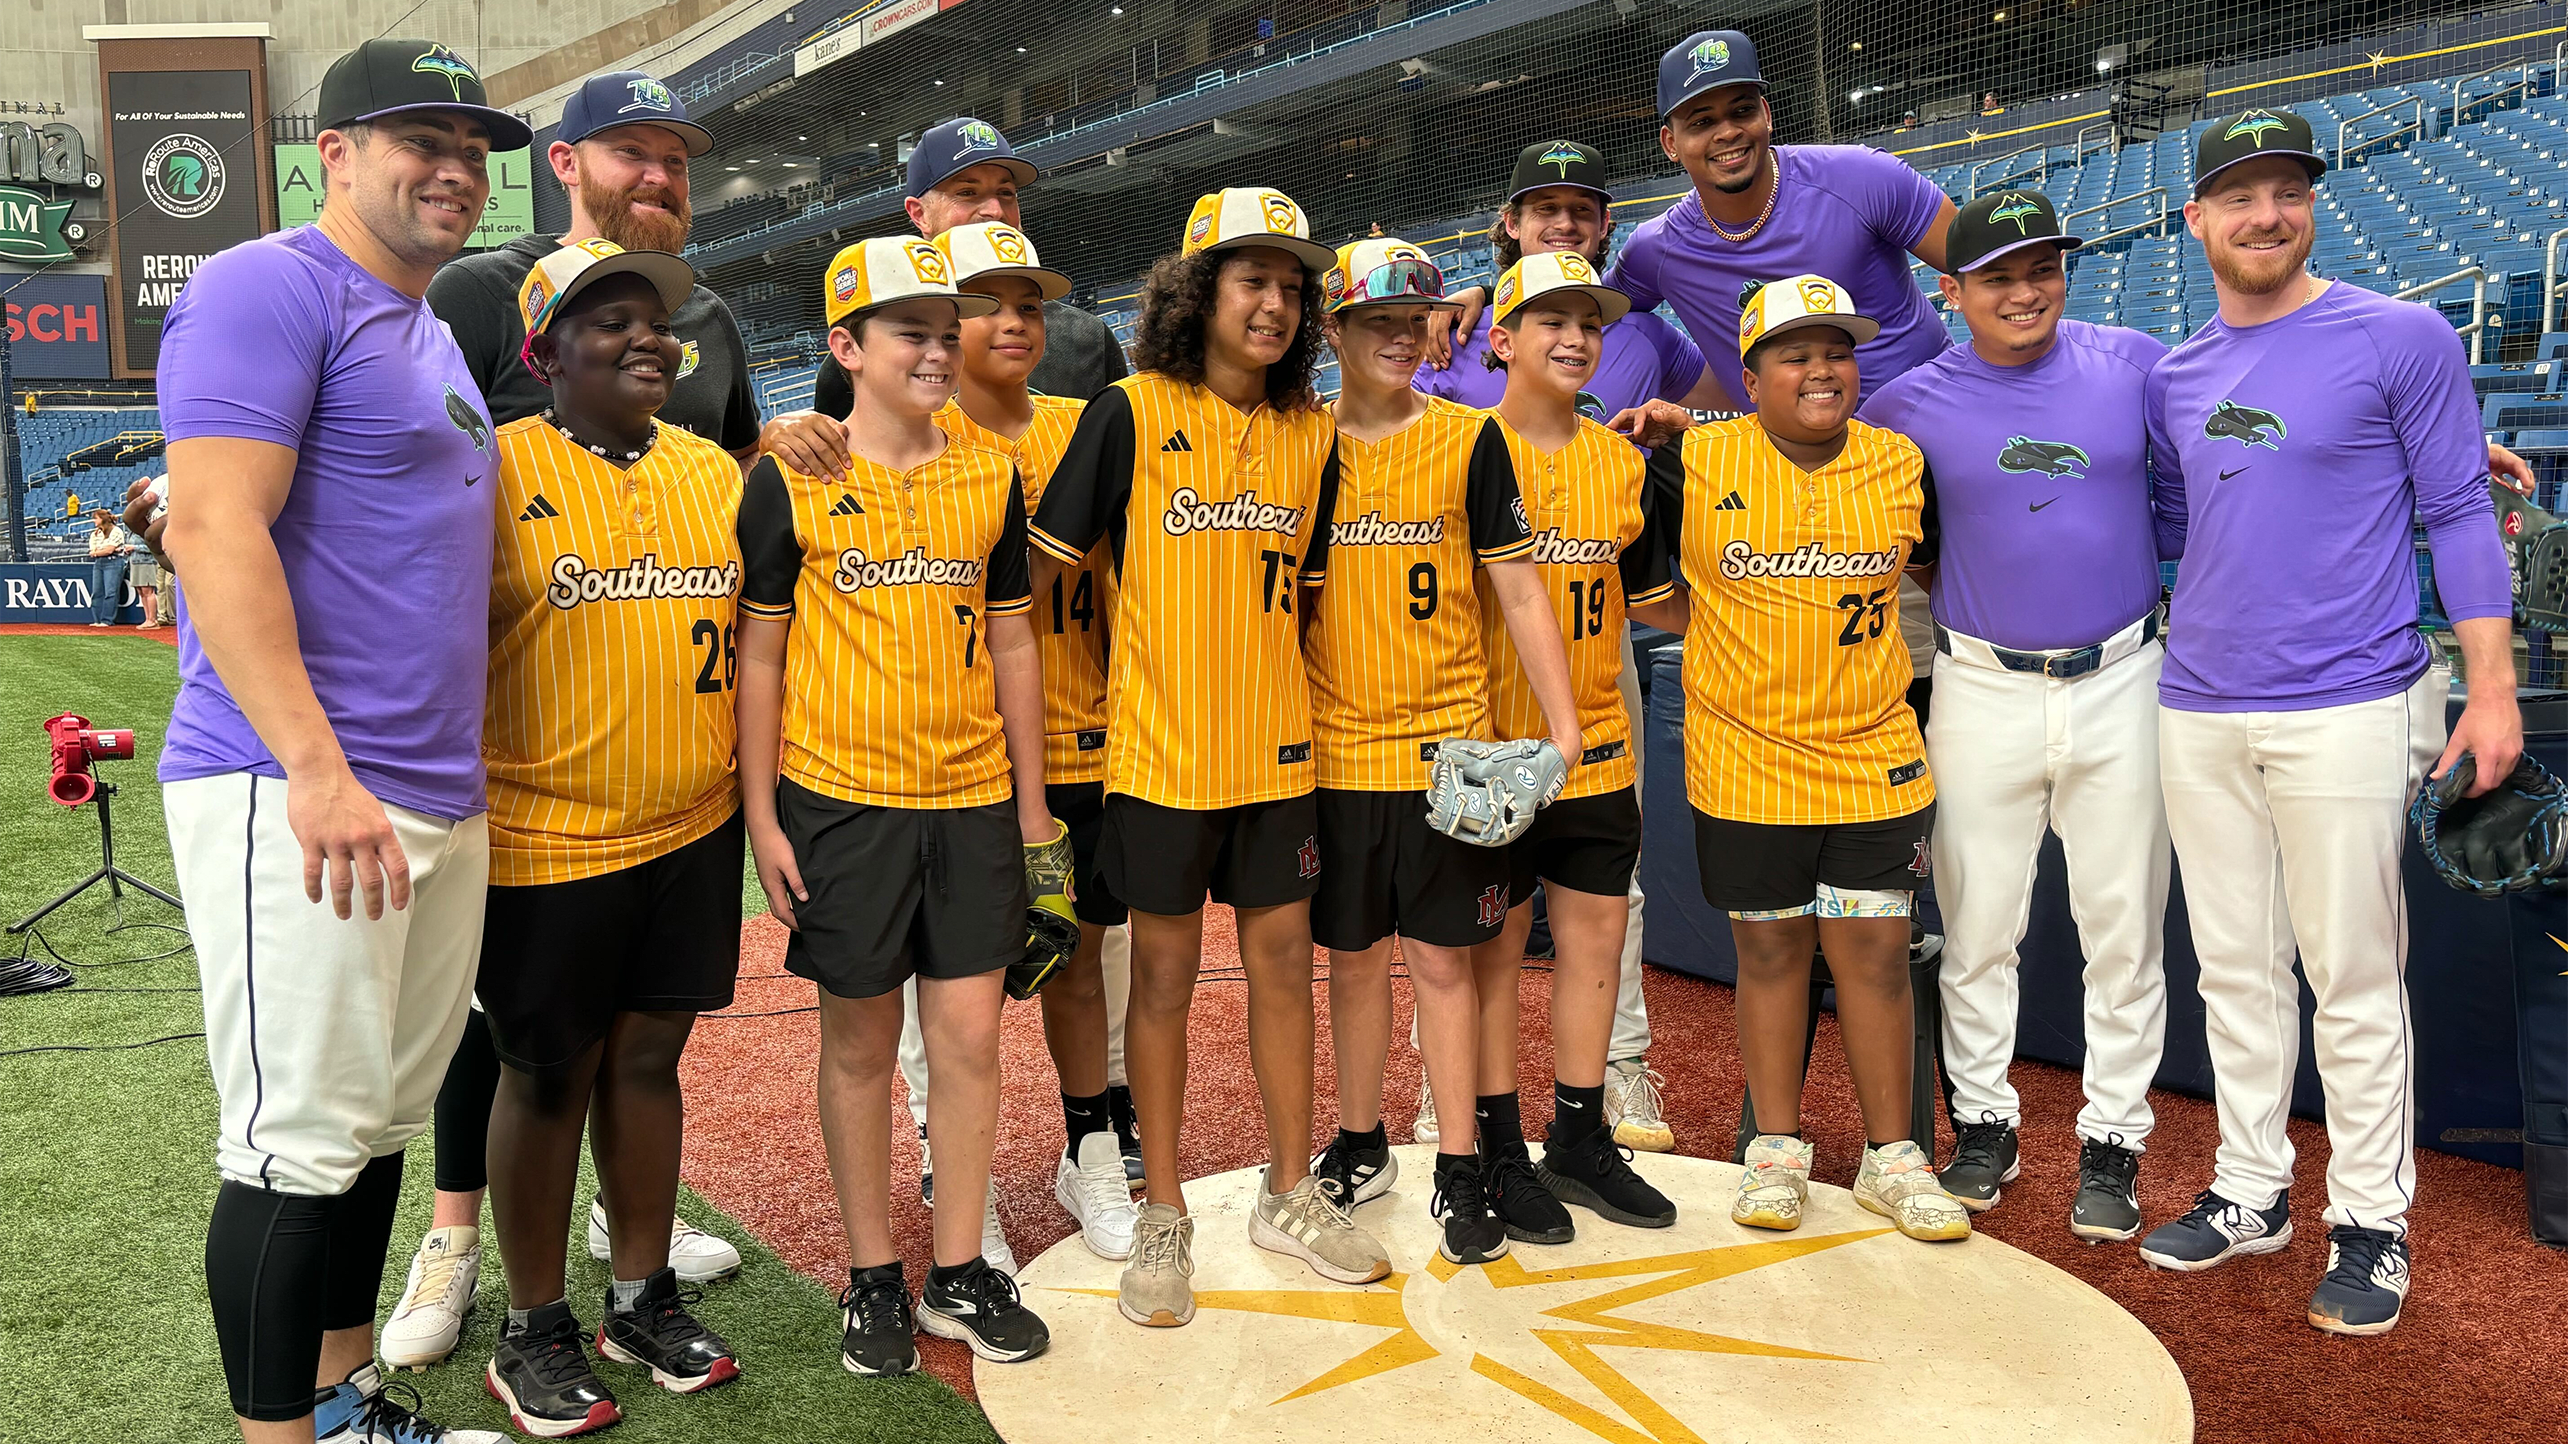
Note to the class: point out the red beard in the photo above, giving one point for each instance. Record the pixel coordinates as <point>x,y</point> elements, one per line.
<point>617,221</point>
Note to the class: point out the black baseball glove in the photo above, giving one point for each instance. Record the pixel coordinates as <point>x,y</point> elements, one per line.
<point>2512,838</point>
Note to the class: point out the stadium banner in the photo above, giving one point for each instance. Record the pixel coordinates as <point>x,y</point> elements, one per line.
<point>896,17</point>
<point>836,45</point>
<point>510,214</point>
<point>187,171</point>
<point>57,325</point>
<point>57,592</point>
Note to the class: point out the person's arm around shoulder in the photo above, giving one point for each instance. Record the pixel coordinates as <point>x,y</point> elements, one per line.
<point>771,563</point>
<point>1688,383</point>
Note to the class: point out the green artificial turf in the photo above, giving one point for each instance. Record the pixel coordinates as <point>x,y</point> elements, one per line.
<point>106,1177</point>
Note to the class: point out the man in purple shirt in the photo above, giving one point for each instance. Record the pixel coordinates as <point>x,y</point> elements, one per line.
<point>330,461</point>
<point>2295,437</point>
<point>2046,689</point>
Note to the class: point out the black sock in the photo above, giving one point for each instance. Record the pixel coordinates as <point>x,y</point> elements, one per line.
<point>938,1275</point>
<point>1501,1126</point>
<point>1877,1147</point>
<point>1370,1139</point>
<point>1083,1116</point>
<point>1577,1112</point>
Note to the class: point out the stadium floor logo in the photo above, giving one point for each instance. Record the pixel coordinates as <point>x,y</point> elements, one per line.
<point>1705,1331</point>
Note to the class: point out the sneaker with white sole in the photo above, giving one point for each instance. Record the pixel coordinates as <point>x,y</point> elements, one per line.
<point>367,1410</point>
<point>1984,1161</point>
<point>2366,1282</point>
<point>1899,1183</point>
<point>444,1274</point>
<point>1776,1183</point>
<point>540,1372</point>
<point>1310,1222</point>
<point>1363,1170</point>
<point>699,1257</point>
<point>1633,1108</point>
<point>1158,1286</point>
<point>2215,1230</point>
<point>1092,1191</point>
<point>660,1333</point>
<point>1426,1130</point>
<point>978,1306</point>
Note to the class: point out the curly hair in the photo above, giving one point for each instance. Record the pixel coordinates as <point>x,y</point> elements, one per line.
<point>1177,303</point>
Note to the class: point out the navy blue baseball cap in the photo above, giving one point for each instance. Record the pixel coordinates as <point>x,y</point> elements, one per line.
<point>958,145</point>
<point>629,97</point>
<point>1705,60</point>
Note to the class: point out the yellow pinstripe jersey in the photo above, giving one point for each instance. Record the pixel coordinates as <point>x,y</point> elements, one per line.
<point>1796,679</point>
<point>608,724</point>
<point>1069,620</point>
<point>1584,504</point>
<point>889,579</point>
<point>1212,512</point>
<point>1394,648</point>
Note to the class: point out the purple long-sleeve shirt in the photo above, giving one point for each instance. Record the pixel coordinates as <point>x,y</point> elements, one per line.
<point>2292,458</point>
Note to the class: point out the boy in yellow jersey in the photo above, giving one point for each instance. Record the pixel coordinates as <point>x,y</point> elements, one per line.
<point>1582,487</point>
<point>1803,761</point>
<point>614,913</point>
<point>1210,471</point>
<point>1426,495</point>
<point>891,764</point>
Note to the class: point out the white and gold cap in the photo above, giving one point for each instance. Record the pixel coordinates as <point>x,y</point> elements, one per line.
<point>884,269</point>
<point>1796,302</point>
<point>1250,216</point>
<point>552,281</point>
<point>1383,270</point>
<point>1550,272</point>
<point>987,250</point>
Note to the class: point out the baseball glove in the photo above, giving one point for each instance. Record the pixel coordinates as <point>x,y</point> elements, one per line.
<point>2513,838</point>
<point>1488,792</point>
<point>1052,929</point>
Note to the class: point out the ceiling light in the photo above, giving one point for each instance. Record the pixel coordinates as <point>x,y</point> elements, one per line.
<point>1117,10</point>
<point>1020,50</point>
<point>2000,15</point>
<point>1854,97</point>
<point>731,167</point>
<point>940,82</point>
<point>1858,45</point>
<point>802,137</point>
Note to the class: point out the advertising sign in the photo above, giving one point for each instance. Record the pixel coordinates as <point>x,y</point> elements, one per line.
<point>510,214</point>
<point>185,185</point>
<point>57,326</point>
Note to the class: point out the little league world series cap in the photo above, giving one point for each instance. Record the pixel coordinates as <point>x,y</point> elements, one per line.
<point>628,97</point>
<point>1558,163</point>
<point>958,145</point>
<point>1999,223</point>
<point>986,251</point>
<point>1380,271</point>
<point>1796,302</point>
<point>1705,60</point>
<point>882,270</point>
<point>2249,134</point>
<point>1248,216</point>
<point>1548,274</point>
<point>551,282</point>
<point>394,77</point>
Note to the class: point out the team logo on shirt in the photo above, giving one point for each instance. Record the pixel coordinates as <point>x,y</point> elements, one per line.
<point>1551,548</point>
<point>1370,530</point>
<point>1591,405</point>
<point>688,357</point>
<point>1188,512</point>
<point>2246,425</point>
<point>468,419</point>
<point>648,94</point>
<point>2255,125</point>
<point>1740,561</point>
<point>574,581</point>
<point>913,568</point>
<point>2050,458</point>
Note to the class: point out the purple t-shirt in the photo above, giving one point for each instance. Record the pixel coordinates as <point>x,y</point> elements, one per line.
<point>1846,212</point>
<point>386,534</point>
<point>1644,359</point>
<point>2292,459</point>
<point>2041,486</point>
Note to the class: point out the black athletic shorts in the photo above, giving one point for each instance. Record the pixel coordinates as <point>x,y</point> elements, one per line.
<point>1083,806</point>
<point>901,892</point>
<point>1767,867</point>
<point>1384,871</point>
<point>1585,844</point>
<point>1164,859</point>
<point>560,959</point>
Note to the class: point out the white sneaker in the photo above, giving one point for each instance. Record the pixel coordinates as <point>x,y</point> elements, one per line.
<point>1899,1183</point>
<point>1776,1184</point>
<point>1425,1129</point>
<point>1632,1107</point>
<point>1093,1191</point>
<point>443,1277</point>
<point>994,1240</point>
<point>699,1257</point>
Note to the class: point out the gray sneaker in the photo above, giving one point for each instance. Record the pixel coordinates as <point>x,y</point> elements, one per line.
<point>1310,1221</point>
<point>1159,1284</point>
<point>1983,1161</point>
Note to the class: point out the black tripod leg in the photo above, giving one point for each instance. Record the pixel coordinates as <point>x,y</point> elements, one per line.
<point>75,890</point>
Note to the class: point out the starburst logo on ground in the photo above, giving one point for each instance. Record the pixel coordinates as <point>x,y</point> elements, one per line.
<point>2018,208</point>
<point>648,94</point>
<point>1561,156</point>
<point>2254,125</point>
<point>183,176</point>
<point>1709,56</point>
<point>453,68</point>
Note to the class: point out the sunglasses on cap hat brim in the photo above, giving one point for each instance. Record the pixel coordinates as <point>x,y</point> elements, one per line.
<point>1410,281</point>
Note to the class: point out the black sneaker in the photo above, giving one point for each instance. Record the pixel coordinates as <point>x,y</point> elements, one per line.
<point>657,1331</point>
<point>978,1305</point>
<point>1472,1234</point>
<point>1983,1160</point>
<point>876,1308</point>
<point>1363,1171</point>
<point>2108,1204</point>
<point>541,1373</point>
<point>1524,1207</point>
<point>1127,1130</point>
<point>1595,1172</point>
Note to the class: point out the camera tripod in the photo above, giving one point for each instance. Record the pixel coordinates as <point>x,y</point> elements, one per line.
<point>116,878</point>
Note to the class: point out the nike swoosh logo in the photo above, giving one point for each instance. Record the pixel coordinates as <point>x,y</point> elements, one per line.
<point>2224,476</point>
<point>2037,506</point>
<point>1565,1103</point>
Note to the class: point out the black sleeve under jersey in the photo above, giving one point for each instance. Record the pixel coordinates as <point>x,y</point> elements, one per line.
<point>1931,544</point>
<point>833,391</point>
<point>1092,484</point>
<point>1315,558</point>
<point>1006,588</point>
<point>771,556</point>
<point>740,409</point>
<point>1650,565</point>
<point>1491,501</point>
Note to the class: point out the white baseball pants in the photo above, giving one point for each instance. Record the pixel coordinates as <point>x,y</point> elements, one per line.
<point>2013,754</point>
<point>328,1038</point>
<point>2290,826</point>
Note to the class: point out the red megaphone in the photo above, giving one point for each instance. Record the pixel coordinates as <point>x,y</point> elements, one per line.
<point>75,745</point>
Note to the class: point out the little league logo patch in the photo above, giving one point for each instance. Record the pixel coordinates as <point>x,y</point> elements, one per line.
<point>1334,284</point>
<point>1506,291</point>
<point>2018,209</point>
<point>2246,425</point>
<point>1282,216</point>
<point>688,359</point>
<point>1707,57</point>
<point>447,65</point>
<point>1201,227</point>
<point>978,136</point>
<point>1008,245</point>
<point>1560,157</point>
<point>1819,298</point>
<point>927,262</point>
<point>2050,458</point>
<point>648,94</point>
<point>844,286</point>
<point>2255,125</point>
<point>1751,316</point>
<point>1574,267</point>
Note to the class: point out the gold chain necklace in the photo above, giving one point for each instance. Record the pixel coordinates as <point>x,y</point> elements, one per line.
<point>1763,216</point>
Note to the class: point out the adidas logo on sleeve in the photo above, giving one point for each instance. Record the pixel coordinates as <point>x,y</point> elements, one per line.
<point>538,510</point>
<point>1177,442</point>
<point>846,506</point>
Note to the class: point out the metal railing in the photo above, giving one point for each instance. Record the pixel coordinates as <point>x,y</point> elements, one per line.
<point>2522,85</point>
<point>2550,279</point>
<point>2481,322</point>
<point>2036,151</point>
<point>2068,222</point>
<point>2102,130</point>
<point>2415,127</point>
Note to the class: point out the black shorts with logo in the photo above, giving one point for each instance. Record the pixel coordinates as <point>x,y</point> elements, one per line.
<point>1083,806</point>
<point>1384,871</point>
<point>1165,859</point>
<point>1751,867</point>
<point>1585,844</point>
<point>901,892</point>
<point>560,959</point>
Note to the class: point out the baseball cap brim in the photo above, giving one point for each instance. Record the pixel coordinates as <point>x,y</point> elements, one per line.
<point>1859,328</point>
<point>1017,166</point>
<point>2065,243</point>
<point>967,304</point>
<point>1310,253</point>
<point>673,278</point>
<point>699,141</point>
<point>1603,197</point>
<point>1613,303</point>
<point>507,132</point>
<point>2317,165</point>
<point>1756,83</point>
<point>1051,283</point>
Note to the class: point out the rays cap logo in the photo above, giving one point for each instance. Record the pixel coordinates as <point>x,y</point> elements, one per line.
<point>183,176</point>
<point>2253,133</point>
<point>2017,208</point>
<point>977,136</point>
<point>446,65</point>
<point>1705,60</point>
<point>2254,126</point>
<point>648,94</point>
<point>1561,156</point>
<point>1708,57</point>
